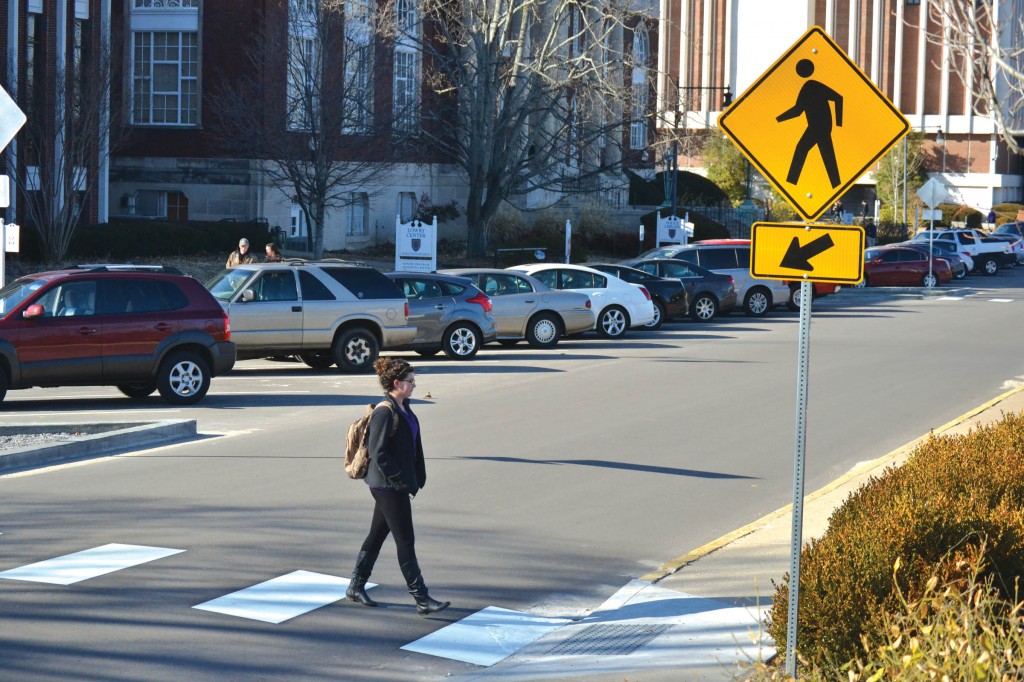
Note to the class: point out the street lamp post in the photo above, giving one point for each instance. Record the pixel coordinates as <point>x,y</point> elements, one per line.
<point>674,167</point>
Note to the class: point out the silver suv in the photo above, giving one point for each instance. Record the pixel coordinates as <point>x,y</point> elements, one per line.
<point>327,313</point>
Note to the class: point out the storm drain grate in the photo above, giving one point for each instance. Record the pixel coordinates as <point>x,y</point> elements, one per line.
<point>608,639</point>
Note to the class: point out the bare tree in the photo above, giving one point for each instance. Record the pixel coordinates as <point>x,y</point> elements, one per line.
<point>63,150</point>
<point>984,41</point>
<point>308,112</point>
<point>904,161</point>
<point>526,95</point>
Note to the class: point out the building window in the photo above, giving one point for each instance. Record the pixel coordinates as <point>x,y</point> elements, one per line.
<point>358,211</point>
<point>298,222</point>
<point>913,2</point>
<point>165,4</point>
<point>303,66</point>
<point>638,124</point>
<point>358,87</point>
<point>406,112</point>
<point>406,206</point>
<point>33,67</point>
<point>165,78</point>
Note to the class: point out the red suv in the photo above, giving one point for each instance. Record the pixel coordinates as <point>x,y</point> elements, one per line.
<point>140,328</point>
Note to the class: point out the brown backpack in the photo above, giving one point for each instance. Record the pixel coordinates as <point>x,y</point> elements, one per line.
<point>357,458</point>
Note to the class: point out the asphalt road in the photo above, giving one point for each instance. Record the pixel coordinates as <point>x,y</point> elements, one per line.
<point>554,477</point>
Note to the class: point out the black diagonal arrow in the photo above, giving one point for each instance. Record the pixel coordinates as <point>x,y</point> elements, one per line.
<point>797,257</point>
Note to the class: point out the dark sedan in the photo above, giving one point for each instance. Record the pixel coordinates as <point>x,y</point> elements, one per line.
<point>709,293</point>
<point>669,295</point>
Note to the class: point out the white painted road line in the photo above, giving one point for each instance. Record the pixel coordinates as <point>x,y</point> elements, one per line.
<point>282,598</point>
<point>487,636</point>
<point>89,563</point>
<point>1000,300</point>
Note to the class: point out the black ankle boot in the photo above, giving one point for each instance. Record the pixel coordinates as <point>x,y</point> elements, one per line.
<point>414,579</point>
<point>357,585</point>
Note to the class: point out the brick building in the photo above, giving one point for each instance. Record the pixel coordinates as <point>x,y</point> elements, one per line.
<point>161,150</point>
<point>714,43</point>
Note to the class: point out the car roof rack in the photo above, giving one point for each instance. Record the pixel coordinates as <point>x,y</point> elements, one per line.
<point>126,267</point>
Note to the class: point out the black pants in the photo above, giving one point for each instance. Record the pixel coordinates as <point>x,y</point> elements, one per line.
<point>392,513</point>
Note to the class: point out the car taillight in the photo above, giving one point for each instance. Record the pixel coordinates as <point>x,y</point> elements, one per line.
<point>407,311</point>
<point>589,306</point>
<point>646,293</point>
<point>227,327</point>
<point>732,282</point>
<point>481,300</point>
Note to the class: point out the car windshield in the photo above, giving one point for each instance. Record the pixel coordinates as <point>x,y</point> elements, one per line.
<point>17,291</point>
<point>225,285</point>
<point>1008,228</point>
<point>662,252</point>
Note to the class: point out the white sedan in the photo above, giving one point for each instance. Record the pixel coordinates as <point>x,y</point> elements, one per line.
<point>617,305</point>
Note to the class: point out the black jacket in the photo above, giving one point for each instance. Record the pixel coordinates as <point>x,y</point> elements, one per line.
<point>396,462</point>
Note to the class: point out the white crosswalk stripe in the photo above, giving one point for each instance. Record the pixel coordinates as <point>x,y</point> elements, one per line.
<point>282,598</point>
<point>89,563</point>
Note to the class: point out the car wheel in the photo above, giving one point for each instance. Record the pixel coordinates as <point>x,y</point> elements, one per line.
<point>659,317</point>
<point>544,330</point>
<point>612,323</point>
<point>461,341</point>
<point>704,308</point>
<point>961,271</point>
<point>183,379</point>
<point>355,351</point>
<point>862,283</point>
<point>4,383</point>
<point>428,352</point>
<point>930,280</point>
<point>990,266</point>
<point>319,360</point>
<point>137,391</point>
<point>794,299</point>
<point>757,302</point>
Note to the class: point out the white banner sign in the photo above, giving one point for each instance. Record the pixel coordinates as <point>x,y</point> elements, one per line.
<point>673,230</point>
<point>415,246</point>
<point>12,238</point>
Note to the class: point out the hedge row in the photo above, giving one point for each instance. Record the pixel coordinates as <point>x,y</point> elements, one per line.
<point>126,240</point>
<point>957,498</point>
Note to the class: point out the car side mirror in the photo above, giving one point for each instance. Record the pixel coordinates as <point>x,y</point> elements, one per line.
<point>248,296</point>
<point>33,311</point>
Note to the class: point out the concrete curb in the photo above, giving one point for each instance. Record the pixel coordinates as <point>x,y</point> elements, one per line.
<point>96,440</point>
<point>868,468</point>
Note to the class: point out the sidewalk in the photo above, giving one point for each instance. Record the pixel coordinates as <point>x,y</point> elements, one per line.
<point>695,618</point>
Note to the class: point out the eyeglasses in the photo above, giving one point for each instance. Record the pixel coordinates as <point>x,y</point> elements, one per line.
<point>409,381</point>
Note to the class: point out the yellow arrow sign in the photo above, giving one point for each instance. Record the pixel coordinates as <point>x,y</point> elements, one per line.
<point>817,253</point>
<point>813,123</point>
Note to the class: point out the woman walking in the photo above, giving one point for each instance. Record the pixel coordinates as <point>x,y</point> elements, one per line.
<point>395,474</point>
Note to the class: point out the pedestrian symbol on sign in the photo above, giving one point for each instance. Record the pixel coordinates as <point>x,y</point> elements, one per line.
<point>813,103</point>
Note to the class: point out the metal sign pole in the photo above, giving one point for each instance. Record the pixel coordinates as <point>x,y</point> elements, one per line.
<point>803,351</point>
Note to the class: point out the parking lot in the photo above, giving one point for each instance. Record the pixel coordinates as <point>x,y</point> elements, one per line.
<point>554,476</point>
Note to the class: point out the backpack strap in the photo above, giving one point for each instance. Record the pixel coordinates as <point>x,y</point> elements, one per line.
<point>394,415</point>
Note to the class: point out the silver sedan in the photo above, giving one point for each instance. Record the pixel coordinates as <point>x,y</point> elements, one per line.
<point>526,308</point>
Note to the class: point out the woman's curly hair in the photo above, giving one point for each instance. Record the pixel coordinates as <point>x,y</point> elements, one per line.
<point>390,368</point>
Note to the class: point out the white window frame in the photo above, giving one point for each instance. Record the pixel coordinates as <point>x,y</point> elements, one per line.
<point>179,105</point>
<point>359,66</point>
<point>303,66</point>
<point>639,98</point>
<point>406,73</point>
<point>357,215</point>
<point>406,206</point>
<point>297,223</point>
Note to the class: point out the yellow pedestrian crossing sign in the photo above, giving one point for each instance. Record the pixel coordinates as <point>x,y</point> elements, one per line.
<point>813,123</point>
<point>798,251</point>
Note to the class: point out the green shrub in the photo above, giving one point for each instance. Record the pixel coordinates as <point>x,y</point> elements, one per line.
<point>954,496</point>
<point>961,629</point>
<point>889,232</point>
